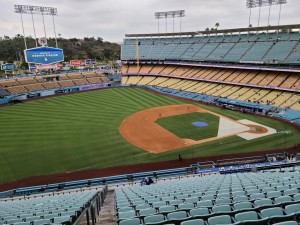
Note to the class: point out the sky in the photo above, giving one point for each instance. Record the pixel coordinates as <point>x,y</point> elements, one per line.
<point>112,19</point>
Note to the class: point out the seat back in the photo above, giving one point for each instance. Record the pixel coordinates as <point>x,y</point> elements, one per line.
<point>295,208</point>
<point>167,209</point>
<point>199,212</point>
<point>283,199</point>
<point>154,219</point>
<point>276,211</point>
<point>206,203</point>
<point>193,222</point>
<point>221,208</point>
<point>243,205</point>
<point>250,215</point>
<point>263,202</point>
<point>147,212</point>
<point>216,220</point>
<point>134,221</point>
<point>177,215</point>
<point>186,206</point>
<point>126,215</point>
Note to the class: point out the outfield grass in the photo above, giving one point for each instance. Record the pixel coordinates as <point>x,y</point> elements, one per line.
<point>80,131</point>
<point>182,125</point>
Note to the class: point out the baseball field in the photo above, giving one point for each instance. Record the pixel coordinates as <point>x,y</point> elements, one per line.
<point>82,131</point>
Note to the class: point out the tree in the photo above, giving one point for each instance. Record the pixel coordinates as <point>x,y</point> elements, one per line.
<point>217,25</point>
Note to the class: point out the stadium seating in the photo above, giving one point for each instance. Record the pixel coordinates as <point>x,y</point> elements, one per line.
<point>261,47</point>
<point>62,208</point>
<point>39,83</point>
<point>222,82</point>
<point>247,198</point>
<point>265,87</point>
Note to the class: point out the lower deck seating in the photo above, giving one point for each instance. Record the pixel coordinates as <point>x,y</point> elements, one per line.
<point>51,85</point>
<point>262,198</point>
<point>39,83</point>
<point>94,80</point>
<point>16,90</point>
<point>57,208</point>
<point>66,83</point>
<point>251,94</point>
<point>80,81</point>
<point>34,87</point>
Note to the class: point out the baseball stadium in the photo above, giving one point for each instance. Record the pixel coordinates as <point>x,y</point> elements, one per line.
<point>202,128</point>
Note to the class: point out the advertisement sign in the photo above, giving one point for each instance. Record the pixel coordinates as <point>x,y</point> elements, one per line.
<point>8,66</point>
<point>59,66</point>
<point>46,67</point>
<point>44,55</point>
<point>90,62</point>
<point>75,63</point>
<point>32,67</point>
<point>42,41</point>
<point>238,168</point>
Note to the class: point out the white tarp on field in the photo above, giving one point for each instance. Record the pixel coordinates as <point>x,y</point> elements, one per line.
<point>228,127</point>
<point>250,136</point>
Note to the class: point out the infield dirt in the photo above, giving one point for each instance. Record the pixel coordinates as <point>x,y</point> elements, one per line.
<point>141,130</point>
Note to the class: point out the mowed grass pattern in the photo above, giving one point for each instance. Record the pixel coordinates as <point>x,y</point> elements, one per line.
<point>182,125</point>
<point>80,132</point>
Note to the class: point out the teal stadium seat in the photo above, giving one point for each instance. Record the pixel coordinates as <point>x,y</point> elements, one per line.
<point>147,212</point>
<point>275,214</point>
<point>134,221</point>
<point>177,217</point>
<point>186,206</point>
<point>287,223</point>
<point>242,206</point>
<point>250,218</point>
<point>193,222</point>
<point>201,213</point>
<point>126,215</point>
<point>219,220</point>
<point>155,219</point>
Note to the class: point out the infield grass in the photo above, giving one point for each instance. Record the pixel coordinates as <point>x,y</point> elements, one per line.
<point>80,131</point>
<point>182,125</point>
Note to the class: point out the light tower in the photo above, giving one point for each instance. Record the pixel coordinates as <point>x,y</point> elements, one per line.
<point>261,3</point>
<point>38,10</point>
<point>170,14</point>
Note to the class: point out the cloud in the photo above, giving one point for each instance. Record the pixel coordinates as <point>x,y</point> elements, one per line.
<point>112,19</point>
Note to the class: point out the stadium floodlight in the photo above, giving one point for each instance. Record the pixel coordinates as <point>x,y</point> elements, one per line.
<point>39,10</point>
<point>169,14</point>
<point>30,9</point>
<point>261,3</point>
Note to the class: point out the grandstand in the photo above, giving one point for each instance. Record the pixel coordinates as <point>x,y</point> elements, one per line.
<point>49,82</point>
<point>245,198</point>
<point>215,194</point>
<point>57,208</point>
<point>252,65</point>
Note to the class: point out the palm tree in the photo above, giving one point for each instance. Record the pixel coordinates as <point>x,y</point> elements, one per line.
<point>217,25</point>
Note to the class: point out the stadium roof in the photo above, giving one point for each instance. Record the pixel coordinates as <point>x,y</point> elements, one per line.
<point>222,31</point>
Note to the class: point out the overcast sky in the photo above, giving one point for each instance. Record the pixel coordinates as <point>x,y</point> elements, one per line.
<point>111,19</point>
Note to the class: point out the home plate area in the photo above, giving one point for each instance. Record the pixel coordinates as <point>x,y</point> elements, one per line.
<point>245,129</point>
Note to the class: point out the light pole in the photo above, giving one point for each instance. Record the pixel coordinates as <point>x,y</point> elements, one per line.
<point>39,10</point>
<point>170,14</point>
